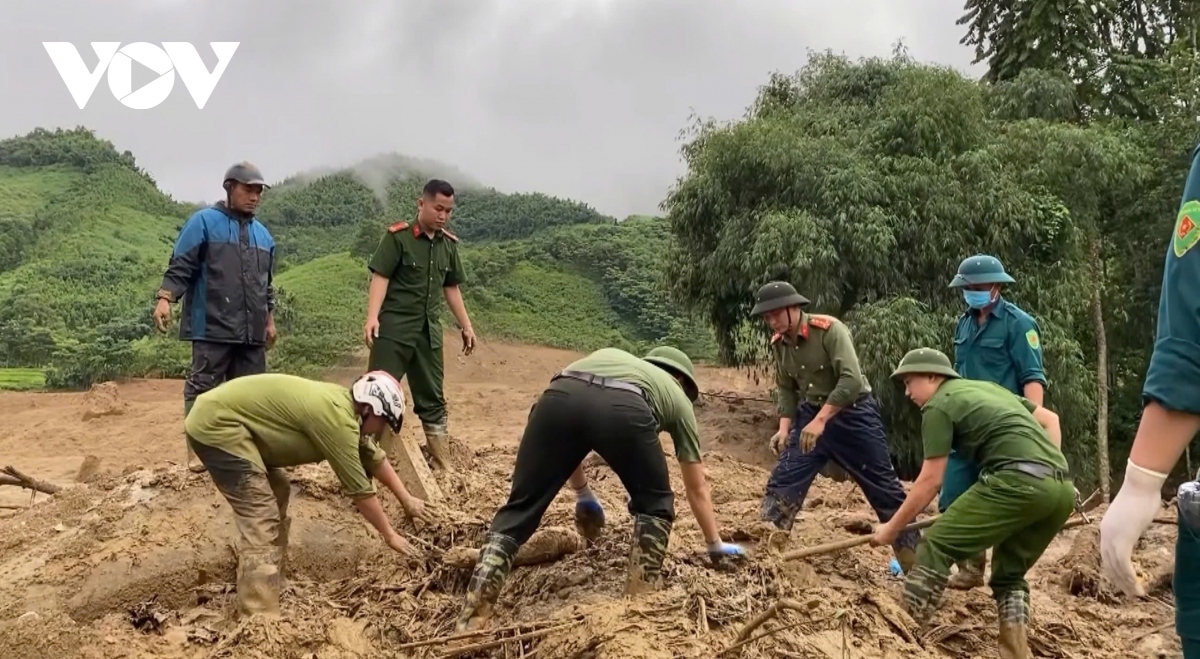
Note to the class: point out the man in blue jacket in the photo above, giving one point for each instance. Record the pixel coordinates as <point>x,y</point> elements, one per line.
<point>222,268</point>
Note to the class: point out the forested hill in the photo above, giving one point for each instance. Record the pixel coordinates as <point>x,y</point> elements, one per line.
<point>85,236</point>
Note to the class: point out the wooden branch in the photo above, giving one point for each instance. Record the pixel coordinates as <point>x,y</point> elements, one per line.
<point>481,632</point>
<point>501,641</point>
<point>12,476</point>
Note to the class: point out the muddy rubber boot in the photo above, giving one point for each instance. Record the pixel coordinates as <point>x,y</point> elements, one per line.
<point>258,582</point>
<point>650,537</point>
<point>438,439</point>
<point>495,562</point>
<point>1013,612</point>
<point>778,512</point>
<point>970,573</point>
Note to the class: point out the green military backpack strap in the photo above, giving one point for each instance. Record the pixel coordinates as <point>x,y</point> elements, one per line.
<point>776,295</point>
<point>676,361</point>
<point>980,269</point>
<point>927,361</point>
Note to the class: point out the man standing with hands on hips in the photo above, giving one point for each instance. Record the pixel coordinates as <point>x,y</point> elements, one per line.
<point>415,266</point>
<point>1170,419</point>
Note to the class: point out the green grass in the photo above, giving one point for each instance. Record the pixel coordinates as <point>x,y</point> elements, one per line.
<point>545,305</point>
<point>24,191</point>
<point>22,379</point>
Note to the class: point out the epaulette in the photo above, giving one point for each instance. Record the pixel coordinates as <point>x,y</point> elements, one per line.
<point>822,322</point>
<point>450,235</point>
<point>399,226</point>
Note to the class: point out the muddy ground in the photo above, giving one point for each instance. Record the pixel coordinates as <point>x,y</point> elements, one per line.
<point>133,557</point>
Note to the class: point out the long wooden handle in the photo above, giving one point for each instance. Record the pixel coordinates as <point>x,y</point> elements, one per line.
<point>830,547</point>
<point>849,542</point>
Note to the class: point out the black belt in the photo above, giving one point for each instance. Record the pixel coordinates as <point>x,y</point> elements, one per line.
<point>1035,469</point>
<point>608,383</point>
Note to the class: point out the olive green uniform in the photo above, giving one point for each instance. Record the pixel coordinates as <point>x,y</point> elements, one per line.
<point>245,431</point>
<point>418,265</point>
<point>1019,504</point>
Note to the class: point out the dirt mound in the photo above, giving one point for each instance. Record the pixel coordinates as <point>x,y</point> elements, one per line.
<point>103,399</point>
<point>142,564</point>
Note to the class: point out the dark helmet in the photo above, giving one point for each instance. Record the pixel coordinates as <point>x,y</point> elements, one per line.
<point>246,174</point>
<point>776,295</point>
<point>980,269</point>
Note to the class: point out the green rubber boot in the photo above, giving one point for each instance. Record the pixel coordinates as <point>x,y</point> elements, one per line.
<point>650,538</point>
<point>495,562</point>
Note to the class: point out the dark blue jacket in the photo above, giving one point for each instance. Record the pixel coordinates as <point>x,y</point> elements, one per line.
<point>222,266</point>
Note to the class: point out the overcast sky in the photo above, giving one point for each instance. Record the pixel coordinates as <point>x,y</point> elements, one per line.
<point>577,98</point>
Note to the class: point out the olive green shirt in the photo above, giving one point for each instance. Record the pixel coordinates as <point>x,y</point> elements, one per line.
<point>280,420</point>
<point>820,367</point>
<point>669,402</point>
<point>418,265</point>
<point>987,424</point>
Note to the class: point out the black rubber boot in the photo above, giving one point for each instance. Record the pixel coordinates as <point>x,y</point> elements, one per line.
<point>495,562</point>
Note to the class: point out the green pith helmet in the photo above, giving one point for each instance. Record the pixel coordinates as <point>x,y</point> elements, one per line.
<point>245,173</point>
<point>980,269</point>
<point>676,361</point>
<point>776,295</point>
<point>925,360</point>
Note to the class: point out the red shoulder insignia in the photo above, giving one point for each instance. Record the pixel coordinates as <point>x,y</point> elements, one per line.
<point>450,235</point>
<point>399,226</point>
<point>822,322</point>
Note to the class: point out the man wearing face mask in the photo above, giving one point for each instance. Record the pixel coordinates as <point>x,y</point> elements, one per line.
<point>995,340</point>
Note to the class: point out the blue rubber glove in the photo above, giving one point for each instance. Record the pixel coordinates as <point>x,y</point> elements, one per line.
<point>895,569</point>
<point>724,553</point>
<point>589,515</point>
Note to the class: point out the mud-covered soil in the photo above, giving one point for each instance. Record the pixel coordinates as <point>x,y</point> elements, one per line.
<point>133,558</point>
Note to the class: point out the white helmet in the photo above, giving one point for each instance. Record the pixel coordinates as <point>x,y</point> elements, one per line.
<point>383,394</point>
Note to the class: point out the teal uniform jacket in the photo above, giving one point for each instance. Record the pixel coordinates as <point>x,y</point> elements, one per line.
<point>1173,381</point>
<point>1006,350</point>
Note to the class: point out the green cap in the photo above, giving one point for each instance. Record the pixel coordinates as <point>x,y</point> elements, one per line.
<point>776,295</point>
<point>925,361</point>
<point>677,362</point>
<point>980,269</point>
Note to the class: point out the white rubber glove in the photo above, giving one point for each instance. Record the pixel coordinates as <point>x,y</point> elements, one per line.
<point>1131,513</point>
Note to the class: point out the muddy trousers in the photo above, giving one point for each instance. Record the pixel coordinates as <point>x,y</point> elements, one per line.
<point>421,362</point>
<point>1186,583</point>
<point>260,511</point>
<point>571,418</point>
<point>855,439</point>
<point>1012,512</point>
<point>214,363</point>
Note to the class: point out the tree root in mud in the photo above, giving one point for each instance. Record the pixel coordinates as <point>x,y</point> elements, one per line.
<point>547,545</point>
<point>12,476</point>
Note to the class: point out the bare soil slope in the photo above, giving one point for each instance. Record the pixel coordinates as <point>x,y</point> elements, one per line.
<point>133,557</point>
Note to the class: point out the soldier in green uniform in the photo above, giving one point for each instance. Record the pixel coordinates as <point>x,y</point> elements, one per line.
<point>615,404</point>
<point>1170,421</point>
<point>995,340</point>
<point>1020,502</point>
<point>827,412</point>
<point>412,269</point>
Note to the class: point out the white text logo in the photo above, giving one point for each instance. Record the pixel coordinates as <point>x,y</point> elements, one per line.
<point>174,56</point>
